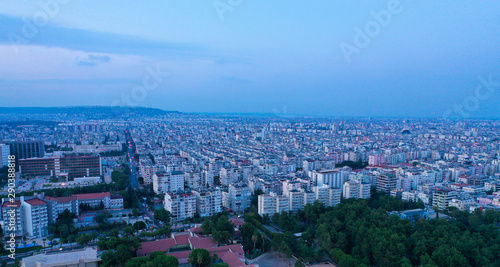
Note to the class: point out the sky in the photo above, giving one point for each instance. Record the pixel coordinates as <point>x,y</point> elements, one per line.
<point>367,58</point>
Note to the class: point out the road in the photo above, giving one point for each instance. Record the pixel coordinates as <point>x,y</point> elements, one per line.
<point>131,161</point>
<point>134,182</point>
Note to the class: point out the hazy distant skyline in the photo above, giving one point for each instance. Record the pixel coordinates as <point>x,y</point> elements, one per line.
<point>262,57</point>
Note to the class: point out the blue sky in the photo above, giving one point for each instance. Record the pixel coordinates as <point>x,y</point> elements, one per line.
<point>253,56</point>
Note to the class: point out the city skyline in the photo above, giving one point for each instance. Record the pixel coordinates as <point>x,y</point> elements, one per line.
<point>379,59</point>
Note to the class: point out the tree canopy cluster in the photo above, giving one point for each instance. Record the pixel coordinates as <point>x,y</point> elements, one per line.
<point>219,226</point>
<point>119,250</point>
<point>363,233</point>
<point>155,259</point>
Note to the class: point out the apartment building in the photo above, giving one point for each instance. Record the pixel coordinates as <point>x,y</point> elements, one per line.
<point>356,189</point>
<point>4,154</point>
<point>68,166</point>
<point>57,205</point>
<point>229,175</point>
<point>208,202</point>
<point>95,199</point>
<point>36,217</point>
<point>297,199</point>
<point>386,182</point>
<point>12,217</point>
<point>27,149</point>
<point>181,204</point>
<point>332,178</point>
<point>442,197</point>
<point>239,197</point>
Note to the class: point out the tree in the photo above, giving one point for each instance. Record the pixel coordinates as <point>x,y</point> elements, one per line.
<point>83,239</point>
<point>165,261</point>
<point>299,263</point>
<point>199,257</point>
<point>263,236</point>
<point>221,236</point>
<point>255,238</point>
<point>163,216</point>
<point>139,225</point>
<point>103,217</point>
<point>135,213</point>
<point>447,255</point>
<point>129,230</point>
<point>63,229</point>
<point>206,226</point>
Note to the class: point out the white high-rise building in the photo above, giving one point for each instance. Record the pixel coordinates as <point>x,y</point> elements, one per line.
<point>160,183</point>
<point>239,197</point>
<point>176,181</point>
<point>333,178</point>
<point>266,204</point>
<point>171,182</point>
<point>282,203</point>
<point>207,178</point>
<point>351,189</point>
<point>321,194</point>
<point>364,190</point>
<point>36,217</point>
<point>193,180</point>
<point>296,200</point>
<point>208,202</point>
<point>13,217</point>
<point>334,196</point>
<point>229,175</point>
<point>309,197</point>
<point>147,171</point>
<point>181,205</point>
<point>4,154</point>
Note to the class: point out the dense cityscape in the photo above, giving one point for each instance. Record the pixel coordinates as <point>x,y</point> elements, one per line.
<point>165,187</point>
<point>237,133</point>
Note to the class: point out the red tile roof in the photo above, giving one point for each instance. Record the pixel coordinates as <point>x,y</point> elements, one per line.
<point>93,195</point>
<point>182,239</point>
<point>66,199</point>
<point>158,245</point>
<point>35,202</point>
<point>232,260</point>
<point>237,222</point>
<point>196,230</point>
<point>11,204</point>
<point>182,256</point>
<point>205,243</point>
<point>235,250</point>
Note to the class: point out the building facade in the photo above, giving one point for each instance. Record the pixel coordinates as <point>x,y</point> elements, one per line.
<point>181,205</point>
<point>27,149</point>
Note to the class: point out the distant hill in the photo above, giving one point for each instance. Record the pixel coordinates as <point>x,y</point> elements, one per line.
<point>92,111</point>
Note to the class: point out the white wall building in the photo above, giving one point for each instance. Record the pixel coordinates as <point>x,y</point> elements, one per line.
<point>239,197</point>
<point>208,202</point>
<point>36,217</point>
<point>333,178</point>
<point>181,205</point>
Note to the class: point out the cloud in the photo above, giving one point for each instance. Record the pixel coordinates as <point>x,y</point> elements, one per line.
<point>91,60</point>
<point>235,79</point>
